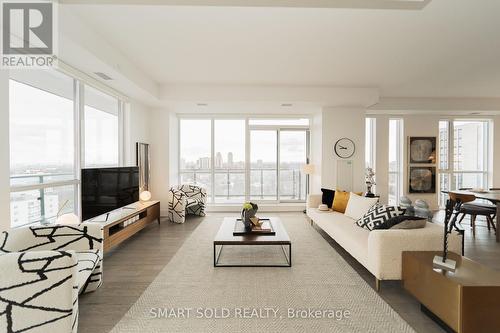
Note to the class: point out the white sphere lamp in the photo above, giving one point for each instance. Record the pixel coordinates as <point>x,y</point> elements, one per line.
<point>69,218</point>
<point>145,196</point>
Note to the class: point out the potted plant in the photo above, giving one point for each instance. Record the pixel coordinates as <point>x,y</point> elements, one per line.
<point>249,211</point>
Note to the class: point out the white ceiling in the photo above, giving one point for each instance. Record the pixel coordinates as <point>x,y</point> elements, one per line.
<point>451,48</point>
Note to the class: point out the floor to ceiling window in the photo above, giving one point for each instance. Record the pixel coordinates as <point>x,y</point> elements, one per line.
<point>44,129</point>
<point>267,168</point>
<point>293,155</point>
<point>464,154</point>
<point>395,160</point>
<point>264,164</point>
<point>195,152</point>
<point>101,115</point>
<point>370,147</point>
<point>229,165</point>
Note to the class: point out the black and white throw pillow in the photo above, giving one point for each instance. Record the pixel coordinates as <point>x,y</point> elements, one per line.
<point>378,215</point>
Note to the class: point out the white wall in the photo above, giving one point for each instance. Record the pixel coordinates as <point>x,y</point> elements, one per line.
<point>4,152</point>
<point>496,152</point>
<point>415,125</point>
<point>159,139</point>
<point>422,125</point>
<point>316,153</point>
<point>137,122</point>
<point>173,148</point>
<point>340,123</point>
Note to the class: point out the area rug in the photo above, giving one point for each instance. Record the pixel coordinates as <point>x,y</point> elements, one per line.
<point>319,293</point>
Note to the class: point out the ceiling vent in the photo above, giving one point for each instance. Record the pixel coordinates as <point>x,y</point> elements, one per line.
<point>287,105</point>
<point>202,104</point>
<point>103,76</point>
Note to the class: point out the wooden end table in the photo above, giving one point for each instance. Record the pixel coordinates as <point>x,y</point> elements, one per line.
<point>466,301</point>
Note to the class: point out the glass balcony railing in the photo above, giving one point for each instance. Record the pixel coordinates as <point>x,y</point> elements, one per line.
<point>229,184</point>
<point>37,204</point>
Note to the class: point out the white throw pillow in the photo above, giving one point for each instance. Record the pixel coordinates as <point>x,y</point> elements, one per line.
<point>358,206</point>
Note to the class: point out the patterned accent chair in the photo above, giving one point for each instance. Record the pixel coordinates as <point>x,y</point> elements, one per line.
<point>43,269</point>
<point>186,199</point>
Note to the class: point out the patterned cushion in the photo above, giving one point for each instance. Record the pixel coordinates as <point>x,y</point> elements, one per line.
<point>378,215</point>
<point>87,262</point>
<point>192,202</point>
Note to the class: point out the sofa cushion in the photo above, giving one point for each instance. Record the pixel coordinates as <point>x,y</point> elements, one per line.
<point>340,201</point>
<point>358,206</point>
<point>327,197</point>
<point>394,221</point>
<point>87,262</point>
<point>343,230</point>
<point>378,215</point>
<point>418,223</point>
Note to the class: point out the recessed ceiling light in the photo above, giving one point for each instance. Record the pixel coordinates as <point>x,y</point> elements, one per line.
<point>103,76</point>
<point>475,113</point>
<point>287,104</point>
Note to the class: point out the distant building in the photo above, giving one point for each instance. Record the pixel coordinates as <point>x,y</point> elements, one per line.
<point>203,163</point>
<point>465,139</point>
<point>229,159</point>
<point>218,161</point>
<point>27,209</point>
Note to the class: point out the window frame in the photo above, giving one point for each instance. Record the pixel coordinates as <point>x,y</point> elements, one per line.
<point>399,172</point>
<point>450,171</point>
<point>248,128</point>
<point>78,99</point>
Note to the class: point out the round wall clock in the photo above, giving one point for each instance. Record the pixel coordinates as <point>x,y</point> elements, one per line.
<point>344,148</point>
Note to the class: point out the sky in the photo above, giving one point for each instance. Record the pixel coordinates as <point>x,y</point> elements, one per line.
<point>230,137</point>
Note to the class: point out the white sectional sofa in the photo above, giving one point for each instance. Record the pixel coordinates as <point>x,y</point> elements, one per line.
<point>379,251</point>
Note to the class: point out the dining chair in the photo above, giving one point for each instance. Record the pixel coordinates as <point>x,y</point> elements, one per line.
<point>475,209</point>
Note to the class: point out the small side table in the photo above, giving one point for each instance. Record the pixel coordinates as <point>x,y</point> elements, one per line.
<point>466,301</point>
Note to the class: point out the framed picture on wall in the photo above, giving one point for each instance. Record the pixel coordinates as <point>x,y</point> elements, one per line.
<point>422,179</point>
<point>422,150</point>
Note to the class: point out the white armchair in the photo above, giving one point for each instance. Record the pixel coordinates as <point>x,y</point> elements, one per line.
<point>43,269</point>
<point>186,199</point>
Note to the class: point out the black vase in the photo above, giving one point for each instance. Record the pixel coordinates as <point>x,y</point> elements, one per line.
<point>245,219</point>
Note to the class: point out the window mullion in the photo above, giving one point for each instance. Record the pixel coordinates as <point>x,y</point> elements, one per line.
<point>247,160</point>
<point>278,164</point>
<point>77,123</point>
<point>212,158</point>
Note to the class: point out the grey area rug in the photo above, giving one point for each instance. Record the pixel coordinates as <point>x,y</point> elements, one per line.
<point>189,293</point>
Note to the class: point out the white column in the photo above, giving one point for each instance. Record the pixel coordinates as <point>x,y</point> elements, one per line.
<point>4,152</point>
<point>495,165</point>
<point>159,141</point>
<point>340,123</point>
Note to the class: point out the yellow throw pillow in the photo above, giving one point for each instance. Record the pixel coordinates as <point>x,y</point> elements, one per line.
<point>340,201</point>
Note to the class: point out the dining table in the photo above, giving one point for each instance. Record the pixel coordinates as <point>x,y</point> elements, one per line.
<point>491,196</point>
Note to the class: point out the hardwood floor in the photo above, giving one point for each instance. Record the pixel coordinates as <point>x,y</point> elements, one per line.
<point>128,271</point>
<point>131,267</point>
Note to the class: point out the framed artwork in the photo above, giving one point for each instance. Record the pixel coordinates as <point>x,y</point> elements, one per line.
<point>143,162</point>
<point>422,150</point>
<point>422,179</point>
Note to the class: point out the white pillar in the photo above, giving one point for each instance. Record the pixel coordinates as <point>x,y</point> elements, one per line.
<point>159,141</point>
<point>4,152</point>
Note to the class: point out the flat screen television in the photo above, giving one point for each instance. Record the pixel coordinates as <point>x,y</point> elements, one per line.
<point>106,189</point>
